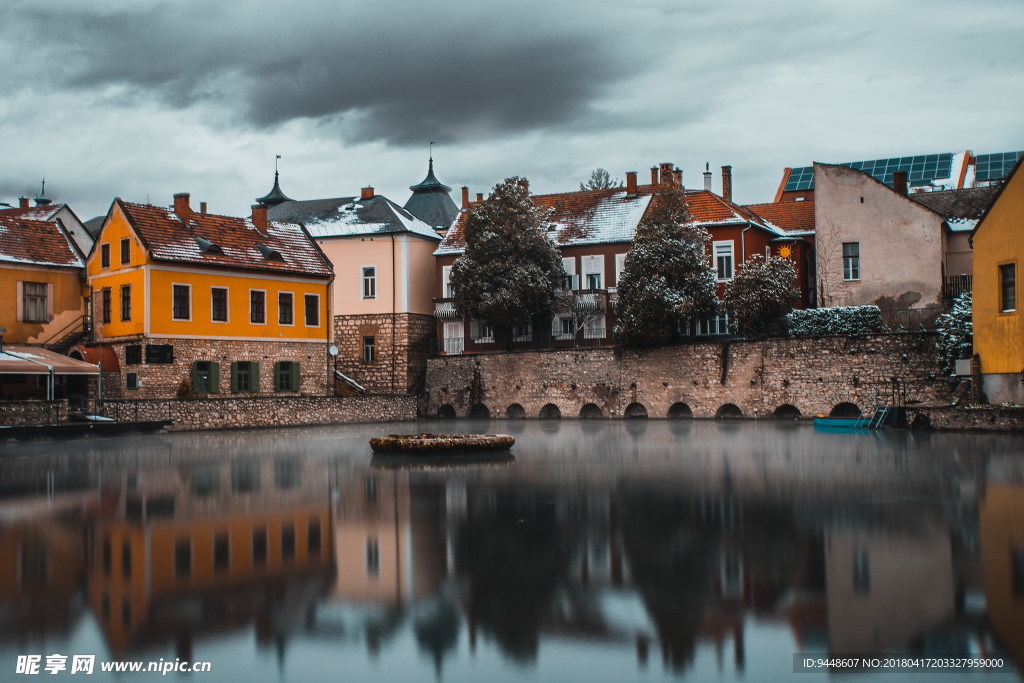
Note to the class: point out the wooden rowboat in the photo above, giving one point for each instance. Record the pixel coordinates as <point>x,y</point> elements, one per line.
<point>441,444</point>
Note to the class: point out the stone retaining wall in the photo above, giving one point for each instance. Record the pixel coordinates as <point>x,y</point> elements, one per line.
<point>17,413</point>
<point>981,418</point>
<point>811,375</point>
<point>232,413</point>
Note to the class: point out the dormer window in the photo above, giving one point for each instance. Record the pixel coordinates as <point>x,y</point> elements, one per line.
<point>208,247</point>
<point>269,253</point>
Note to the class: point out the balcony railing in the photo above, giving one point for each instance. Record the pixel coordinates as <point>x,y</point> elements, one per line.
<point>444,309</point>
<point>955,285</point>
<point>453,346</point>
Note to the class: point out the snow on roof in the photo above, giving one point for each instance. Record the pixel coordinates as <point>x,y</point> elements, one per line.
<point>787,217</point>
<point>348,216</point>
<point>36,242</point>
<point>961,224</point>
<point>611,216</point>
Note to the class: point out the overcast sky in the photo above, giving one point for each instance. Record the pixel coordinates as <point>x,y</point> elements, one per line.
<point>141,98</point>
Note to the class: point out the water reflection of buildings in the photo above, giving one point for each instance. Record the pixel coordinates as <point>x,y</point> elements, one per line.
<point>1002,560</point>
<point>208,547</point>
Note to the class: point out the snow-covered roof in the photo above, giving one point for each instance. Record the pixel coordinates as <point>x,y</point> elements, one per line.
<point>961,224</point>
<point>611,216</point>
<point>167,238</point>
<point>348,216</point>
<point>37,243</point>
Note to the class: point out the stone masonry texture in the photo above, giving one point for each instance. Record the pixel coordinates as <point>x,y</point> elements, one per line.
<point>398,367</point>
<point>811,374</point>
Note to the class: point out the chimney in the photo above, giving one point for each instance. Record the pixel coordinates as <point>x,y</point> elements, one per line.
<point>678,174</point>
<point>182,208</point>
<point>630,183</point>
<point>22,202</point>
<point>202,207</point>
<point>479,197</point>
<point>654,177</point>
<point>707,177</point>
<point>666,172</point>
<point>899,182</point>
<point>727,183</point>
<point>366,192</point>
<point>259,217</point>
<point>465,197</point>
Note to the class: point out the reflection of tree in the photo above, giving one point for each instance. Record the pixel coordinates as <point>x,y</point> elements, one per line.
<point>668,554</point>
<point>513,556</point>
<point>437,631</point>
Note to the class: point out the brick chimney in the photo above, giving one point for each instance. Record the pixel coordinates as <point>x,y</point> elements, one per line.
<point>259,217</point>
<point>678,176</point>
<point>22,202</point>
<point>465,197</point>
<point>479,197</point>
<point>899,182</point>
<point>182,208</point>
<point>727,183</point>
<point>654,176</point>
<point>707,177</point>
<point>667,176</point>
<point>202,207</point>
<point>366,192</point>
<point>630,183</point>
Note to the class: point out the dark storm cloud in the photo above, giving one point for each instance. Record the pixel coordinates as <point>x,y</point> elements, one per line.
<point>401,73</point>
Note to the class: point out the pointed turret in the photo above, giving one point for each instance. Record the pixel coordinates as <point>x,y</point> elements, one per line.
<point>431,201</point>
<point>41,198</point>
<point>275,196</point>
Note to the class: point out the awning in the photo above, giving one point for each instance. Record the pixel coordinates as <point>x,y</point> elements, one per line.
<point>446,310</point>
<point>32,360</point>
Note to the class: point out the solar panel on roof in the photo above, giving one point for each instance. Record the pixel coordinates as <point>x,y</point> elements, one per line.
<point>921,170</point>
<point>995,166</point>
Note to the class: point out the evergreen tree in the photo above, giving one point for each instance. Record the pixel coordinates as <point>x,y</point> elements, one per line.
<point>667,280</point>
<point>599,179</point>
<point>762,293</point>
<point>956,333</point>
<point>509,270</point>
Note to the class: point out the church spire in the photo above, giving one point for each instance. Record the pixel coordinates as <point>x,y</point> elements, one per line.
<point>275,196</point>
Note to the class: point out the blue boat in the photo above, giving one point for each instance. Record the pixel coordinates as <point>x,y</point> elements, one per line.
<point>876,421</point>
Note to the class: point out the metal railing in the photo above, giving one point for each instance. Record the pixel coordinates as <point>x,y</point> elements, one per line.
<point>72,332</point>
<point>955,285</point>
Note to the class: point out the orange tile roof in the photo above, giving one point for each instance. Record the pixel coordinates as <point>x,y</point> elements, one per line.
<point>788,216</point>
<point>167,238</point>
<point>33,213</point>
<point>609,216</point>
<point>36,242</point>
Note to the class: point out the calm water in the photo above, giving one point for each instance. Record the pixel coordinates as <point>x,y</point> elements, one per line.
<point>605,551</point>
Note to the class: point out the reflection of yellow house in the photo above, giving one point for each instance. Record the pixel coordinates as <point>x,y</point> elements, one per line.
<point>229,304</point>
<point>1001,523</point>
<point>998,243</point>
<point>183,543</point>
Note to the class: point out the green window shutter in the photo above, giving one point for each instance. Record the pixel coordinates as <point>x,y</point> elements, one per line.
<point>294,370</point>
<point>277,376</point>
<point>234,377</point>
<point>214,378</point>
<point>254,377</point>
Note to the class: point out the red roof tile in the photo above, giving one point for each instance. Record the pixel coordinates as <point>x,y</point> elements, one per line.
<point>789,216</point>
<point>608,216</point>
<point>167,238</point>
<point>36,242</point>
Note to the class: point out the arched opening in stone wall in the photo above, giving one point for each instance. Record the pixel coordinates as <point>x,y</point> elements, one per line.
<point>446,412</point>
<point>550,412</point>
<point>591,411</point>
<point>515,412</point>
<point>786,412</point>
<point>730,411</point>
<point>635,410</point>
<point>480,412</point>
<point>680,411</point>
<point>845,410</point>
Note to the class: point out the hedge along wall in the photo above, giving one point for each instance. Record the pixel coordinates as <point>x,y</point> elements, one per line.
<point>270,411</point>
<point>813,375</point>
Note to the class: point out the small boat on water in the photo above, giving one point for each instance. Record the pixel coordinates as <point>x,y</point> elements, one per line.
<point>842,422</point>
<point>441,444</point>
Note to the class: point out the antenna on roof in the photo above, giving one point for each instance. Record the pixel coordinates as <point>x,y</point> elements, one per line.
<point>41,200</point>
<point>707,165</point>
<point>275,163</point>
<point>431,151</point>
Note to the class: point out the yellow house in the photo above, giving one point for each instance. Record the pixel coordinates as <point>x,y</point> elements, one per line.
<point>998,243</point>
<point>196,303</point>
<point>42,280</point>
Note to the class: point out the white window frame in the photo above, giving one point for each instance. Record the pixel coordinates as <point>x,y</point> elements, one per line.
<point>593,266</point>
<point>851,264</point>
<point>264,307</point>
<point>368,283</point>
<point>595,327</point>
<point>620,266</point>
<point>292,295</point>
<point>559,325</point>
<point>47,303</point>
<point>518,333</point>
<point>569,266</point>
<point>480,332</point>
<point>318,311</point>
<point>723,249</point>
<point>227,305</point>
<point>447,291</point>
<point>454,341</point>
<point>188,287</point>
